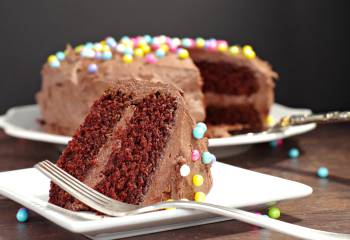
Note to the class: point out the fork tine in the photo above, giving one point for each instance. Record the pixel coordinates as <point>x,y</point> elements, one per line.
<point>75,181</point>
<point>77,187</point>
<point>71,190</point>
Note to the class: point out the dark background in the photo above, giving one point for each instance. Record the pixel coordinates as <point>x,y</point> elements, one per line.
<point>307,42</point>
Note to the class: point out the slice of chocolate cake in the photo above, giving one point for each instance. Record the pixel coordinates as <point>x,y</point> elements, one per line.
<point>136,145</point>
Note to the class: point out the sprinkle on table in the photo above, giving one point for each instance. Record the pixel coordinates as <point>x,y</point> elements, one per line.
<point>274,212</point>
<point>322,172</point>
<point>22,215</point>
<point>293,153</point>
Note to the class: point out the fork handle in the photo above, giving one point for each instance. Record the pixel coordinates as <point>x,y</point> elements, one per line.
<point>329,117</point>
<point>254,219</point>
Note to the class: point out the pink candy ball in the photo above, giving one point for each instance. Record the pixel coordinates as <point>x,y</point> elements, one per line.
<point>155,46</point>
<point>195,155</point>
<point>150,58</point>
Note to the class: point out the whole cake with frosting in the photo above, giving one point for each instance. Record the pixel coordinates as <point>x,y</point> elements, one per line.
<point>138,144</point>
<point>229,87</point>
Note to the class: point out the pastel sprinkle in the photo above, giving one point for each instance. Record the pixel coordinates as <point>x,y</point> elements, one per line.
<point>195,155</point>
<point>60,55</point>
<point>150,58</point>
<point>234,50</point>
<point>198,133</point>
<point>147,38</point>
<point>52,58</point>
<point>55,64</point>
<point>79,48</point>
<point>248,52</point>
<point>107,55</point>
<point>199,197</point>
<point>98,47</point>
<point>198,180</point>
<point>160,53</point>
<point>22,215</point>
<point>111,42</point>
<point>87,53</point>
<point>185,170</point>
<point>129,51</point>
<point>222,46</point>
<point>186,42</point>
<point>274,212</point>
<point>202,125</point>
<point>164,47</point>
<point>92,68</point>
<point>322,172</point>
<point>293,153</point>
<point>208,158</point>
<point>270,121</point>
<point>146,49</point>
<point>127,58</point>
<point>182,53</point>
<point>200,42</point>
<point>121,48</point>
<point>138,52</point>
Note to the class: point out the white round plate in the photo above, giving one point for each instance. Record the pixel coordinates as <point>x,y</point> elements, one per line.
<point>23,122</point>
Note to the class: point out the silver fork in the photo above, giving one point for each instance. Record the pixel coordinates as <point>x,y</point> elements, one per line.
<point>111,207</point>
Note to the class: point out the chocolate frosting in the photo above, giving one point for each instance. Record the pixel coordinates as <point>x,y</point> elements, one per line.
<point>69,91</point>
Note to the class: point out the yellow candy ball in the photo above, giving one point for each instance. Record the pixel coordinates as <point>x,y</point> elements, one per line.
<point>270,121</point>
<point>198,180</point>
<point>105,48</point>
<point>127,58</point>
<point>138,52</point>
<point>234,50</point>
<point>78,48</point>
<point>164,47</point>
<point>146,49</point>
<point>103,42</point>
<point>248,52</point>
<point>222,47</point>
<point>200,42</point>
<point>52,58</point>
<point>98,47</point>
<point>199,197</point>
<point>183,53</point>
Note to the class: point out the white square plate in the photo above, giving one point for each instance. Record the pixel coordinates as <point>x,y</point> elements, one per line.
<point>233,186</point>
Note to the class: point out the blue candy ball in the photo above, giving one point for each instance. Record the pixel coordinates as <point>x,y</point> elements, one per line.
<point>207,157</point>
<point>111,42</point>
<point>322,172</point>
<point>273,144</point>
<point>55,64</point>
<point>107,55</point>
<point>186,42</point>
<point>293,153</point>
<point>22,215</point>
<point>147,38</point>
<point>129,50</point>
<point>160,53</point>
<point>92,68</point>
<point>202,125</point>
<point>198,133</point>
<point>60,55</point>
<point>89,45</point>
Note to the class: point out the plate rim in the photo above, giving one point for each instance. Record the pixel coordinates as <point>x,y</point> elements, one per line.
<point>241,139</point>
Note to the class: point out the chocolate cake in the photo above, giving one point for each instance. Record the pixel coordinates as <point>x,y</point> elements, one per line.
<point>237,94</point>
<point>238,87</point>
<point>137,145</point>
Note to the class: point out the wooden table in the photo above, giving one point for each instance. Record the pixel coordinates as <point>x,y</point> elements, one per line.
<point>328,208</point>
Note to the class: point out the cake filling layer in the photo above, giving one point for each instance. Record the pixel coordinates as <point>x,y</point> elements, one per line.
<point>128,173</point>
<point>227,78</point>
<point>244,114</point>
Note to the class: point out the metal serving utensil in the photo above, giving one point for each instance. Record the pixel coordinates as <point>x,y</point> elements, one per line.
<point>111,207</point>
